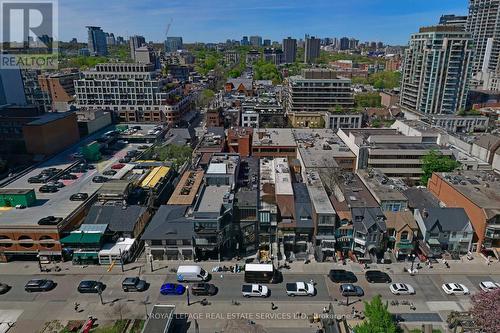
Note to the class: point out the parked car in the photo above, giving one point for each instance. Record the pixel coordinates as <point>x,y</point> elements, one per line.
<point>124,159</point>
<point>401,289</point>
<point>455,289</point>
<point>55,184</point>
<point>48,189</point>
<point>203,289</point>
<point>68,176</point>
<point>172,289</point>
<point>300,289</point>
<point>90,286</point>
<point>100,179</point>
<point>50,220</point>
<point>79,197</point>
<point>117,166</point>
<point>39,285</point>
<point>35,180</point>
<point>489,286</point>
<point>143,147</point>
<point>342,276</point>
<point>377,277</point>
<point>109,172</point>
<point>4,288</point>
<point>134,284</point>
<point>254,290</point>
<point>349,289</point>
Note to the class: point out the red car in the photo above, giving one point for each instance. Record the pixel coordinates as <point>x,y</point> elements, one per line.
<point>117,166</point>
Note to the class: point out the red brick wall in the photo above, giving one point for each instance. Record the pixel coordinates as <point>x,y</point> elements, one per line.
<point>453,198</point>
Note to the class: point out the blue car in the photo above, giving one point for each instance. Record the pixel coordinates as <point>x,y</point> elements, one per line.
<point>172,289</point>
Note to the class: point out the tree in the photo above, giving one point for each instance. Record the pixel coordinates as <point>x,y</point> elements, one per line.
<point>368,100</point>
<point>177,154</point>
<point>206,97</point>
<point>486,310</point>
<point>434,161</point>
<point>266,71</point>
<point>378,318</point>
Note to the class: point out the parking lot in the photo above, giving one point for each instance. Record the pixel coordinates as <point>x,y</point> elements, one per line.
<point>58,203</point>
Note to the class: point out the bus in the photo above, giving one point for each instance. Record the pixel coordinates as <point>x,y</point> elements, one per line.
<point>261,273</point>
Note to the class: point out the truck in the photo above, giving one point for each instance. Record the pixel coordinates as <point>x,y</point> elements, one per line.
<point>192,273</point>
<point>300,289</point>
<point>254,290</point>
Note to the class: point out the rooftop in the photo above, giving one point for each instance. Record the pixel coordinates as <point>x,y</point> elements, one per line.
<point>169,222</point>
<point>223,164</point>
<point>420,198</point>
<point>273,137</point>
<point>317,192</point>
<point>319,148</point>
<point>450,219</point>
<point>212,198</point>
<point>118,218</point>
<point>397,220</point>
<point>480,187</point>
<point>352,192</point>
<point>283,177</point>
<point>187,188</point>
<point>382,187</point>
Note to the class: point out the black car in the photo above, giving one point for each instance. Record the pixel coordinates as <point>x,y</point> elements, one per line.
<point>134,284</point>
<point>68,176</point>
<point>109,172</point>
<point>4,288</point>
<point>90,286</point>
<point>203,289</point>
<point>124,160</point>
<point>39,285</point>
<point>143,147</point>
<point>79,197</point>
<point>50,220</point>
<point>342,276</point>
<point>100,179</point>
<point>35,180</point>
<point>377,277</point>
<point>48,189</point>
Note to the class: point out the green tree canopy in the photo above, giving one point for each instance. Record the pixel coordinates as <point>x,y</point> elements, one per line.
<point>378,318</point>
<point>367,100</point>
<point>266,71</point>
<point>206,96</point>
<point>434,161</point>
<point>176,154</point>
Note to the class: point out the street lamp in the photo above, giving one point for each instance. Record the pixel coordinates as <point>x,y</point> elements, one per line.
<point>145,302</point>
<point>121,259</point>
<point>412,256</point>
<point>151,262</point>
<point>99,292</point>
<point>187,295</point>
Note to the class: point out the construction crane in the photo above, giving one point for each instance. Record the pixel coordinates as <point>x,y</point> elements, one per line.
<point>168,28</point>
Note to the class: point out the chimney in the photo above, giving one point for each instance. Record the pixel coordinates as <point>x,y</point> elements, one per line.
<point>425,213</point>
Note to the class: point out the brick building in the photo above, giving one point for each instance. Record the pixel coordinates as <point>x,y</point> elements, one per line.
<point>239,140</point>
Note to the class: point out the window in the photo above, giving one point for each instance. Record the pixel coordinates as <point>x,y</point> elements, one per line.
<point>465,235</point>
<point>454,234</point>
<point>156,242</point>
<point>404,235</point>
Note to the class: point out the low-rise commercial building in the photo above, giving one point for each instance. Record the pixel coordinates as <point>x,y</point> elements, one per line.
<point>477,192</point>
<point>239,140</point>
<point>387,192</point>
<point>389,151</point>
<point>402,233</point>
<point>273,142</point>
<point>335,120</point>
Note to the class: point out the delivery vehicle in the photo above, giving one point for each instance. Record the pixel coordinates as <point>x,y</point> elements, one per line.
<point>254,290</point>
<point>261,273</point>
<point>192,273</point>
<point>300,289</point>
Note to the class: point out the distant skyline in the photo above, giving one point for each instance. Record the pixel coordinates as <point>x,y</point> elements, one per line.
<point>389,21</point>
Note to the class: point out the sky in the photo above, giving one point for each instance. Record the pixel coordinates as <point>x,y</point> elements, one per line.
<point>390,21</point>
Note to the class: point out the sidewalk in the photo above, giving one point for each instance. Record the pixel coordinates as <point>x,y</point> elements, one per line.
<point>476,266</point>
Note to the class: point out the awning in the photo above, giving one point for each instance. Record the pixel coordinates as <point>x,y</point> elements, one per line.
<point>77,238</point>
<point>433,241</point>
<point>344,239</point>
<point>405,245</point>
<point>85,255</point>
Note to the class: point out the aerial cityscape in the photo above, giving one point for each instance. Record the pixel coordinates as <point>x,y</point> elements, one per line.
<point>250,167</point>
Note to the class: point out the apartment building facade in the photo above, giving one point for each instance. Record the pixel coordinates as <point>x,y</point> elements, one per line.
<point>317,90</point>
<point>133,92</point>
<point>436,70</point>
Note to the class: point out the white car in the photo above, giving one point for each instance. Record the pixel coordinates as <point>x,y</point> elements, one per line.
<point>401,289</point>
<point>489,286</point>
<point>455,289</point>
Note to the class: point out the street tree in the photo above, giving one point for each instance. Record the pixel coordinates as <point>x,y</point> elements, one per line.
<point>486,310</point>
<point>434,161</point>
<point>377,318</point>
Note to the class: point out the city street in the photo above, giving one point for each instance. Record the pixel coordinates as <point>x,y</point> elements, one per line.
<point>432,304</point>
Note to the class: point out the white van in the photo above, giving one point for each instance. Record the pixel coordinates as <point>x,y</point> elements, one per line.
<point>191,273</point>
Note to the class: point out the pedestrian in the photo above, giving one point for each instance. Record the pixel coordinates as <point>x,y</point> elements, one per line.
<point>76,306</point>
<point>273,307</point>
